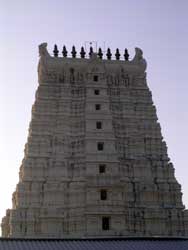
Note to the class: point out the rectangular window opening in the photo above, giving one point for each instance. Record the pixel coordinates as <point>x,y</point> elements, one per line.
<point>102,168</point>
<point>99,125</point>
<point>96,91</point>
<point>100,146</point>
<point>105,223</point>
<point>97,106</point>
<point>95,78</point>
<point>103,194</point>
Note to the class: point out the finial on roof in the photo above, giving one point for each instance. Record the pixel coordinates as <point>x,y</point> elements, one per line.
<point>117,54</point>
<point>109,54</point>
<point>64,52</point>
<point>126,55</point>
<point>100,54</point>
<point>90,51</point>
<point>73,51</point>
<point>82,52</point>
<point>55,51</point>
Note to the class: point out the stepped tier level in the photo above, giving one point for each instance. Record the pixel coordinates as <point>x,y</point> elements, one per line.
<point>95,161</point>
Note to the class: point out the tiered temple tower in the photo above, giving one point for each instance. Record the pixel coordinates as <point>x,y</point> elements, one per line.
<point>95,161</point>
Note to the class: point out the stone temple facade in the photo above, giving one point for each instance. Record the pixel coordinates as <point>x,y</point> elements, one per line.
<point>95,161</point>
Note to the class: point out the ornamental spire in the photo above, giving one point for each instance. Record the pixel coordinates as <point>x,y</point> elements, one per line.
<point>109,54</point>
<point>82,52</point>
<point>55,51</point>
<point>126,55</point>
<point>100,54</point>
<point>64,52</point>
<point>117,54</point>
<point>90,51</point>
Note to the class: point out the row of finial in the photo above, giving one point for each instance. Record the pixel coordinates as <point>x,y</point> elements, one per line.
<point>83,53</point>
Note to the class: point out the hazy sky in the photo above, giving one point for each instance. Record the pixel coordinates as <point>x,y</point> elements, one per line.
<point>159,27</point>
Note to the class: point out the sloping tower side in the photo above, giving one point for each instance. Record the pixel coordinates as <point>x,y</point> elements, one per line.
<point>95,161</point>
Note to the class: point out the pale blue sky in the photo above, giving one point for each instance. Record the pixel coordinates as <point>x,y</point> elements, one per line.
<point>158,27</point>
